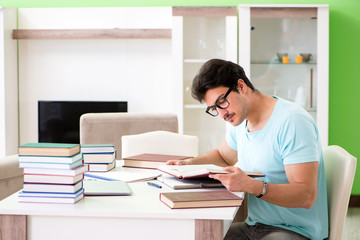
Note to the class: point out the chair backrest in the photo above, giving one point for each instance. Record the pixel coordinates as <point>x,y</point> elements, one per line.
<point>339,171</point>
<point>110,127</point>
<point>161,142</point>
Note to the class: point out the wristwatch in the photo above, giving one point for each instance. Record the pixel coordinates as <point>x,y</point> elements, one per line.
<point>263,190</point>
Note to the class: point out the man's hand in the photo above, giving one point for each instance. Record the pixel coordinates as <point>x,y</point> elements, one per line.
<point>235,181</point>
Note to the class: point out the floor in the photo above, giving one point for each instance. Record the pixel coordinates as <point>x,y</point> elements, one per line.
<point>352,223</point>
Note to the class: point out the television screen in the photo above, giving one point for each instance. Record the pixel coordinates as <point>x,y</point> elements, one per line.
<point>58,121</point>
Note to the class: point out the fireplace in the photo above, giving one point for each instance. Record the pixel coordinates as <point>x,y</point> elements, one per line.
<point>58,121</point>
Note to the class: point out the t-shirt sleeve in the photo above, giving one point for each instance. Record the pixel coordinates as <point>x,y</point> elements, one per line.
<point>231,136</point>
<point>298,140</point>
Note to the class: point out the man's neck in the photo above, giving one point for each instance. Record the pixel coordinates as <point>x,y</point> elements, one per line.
<point>262,107</point>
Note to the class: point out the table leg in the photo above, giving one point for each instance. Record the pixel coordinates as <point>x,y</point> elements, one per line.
<point>208,229</point>
<point>13,227</point>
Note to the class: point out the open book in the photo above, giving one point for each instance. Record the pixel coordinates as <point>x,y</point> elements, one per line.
<point>198,171</point>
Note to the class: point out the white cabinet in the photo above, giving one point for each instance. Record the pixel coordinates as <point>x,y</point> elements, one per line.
<point>268,30</point>
<point>200,34</point>
<point>8,84</point>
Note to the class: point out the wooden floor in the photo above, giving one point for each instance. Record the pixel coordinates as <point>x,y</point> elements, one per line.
<point>352,225</point>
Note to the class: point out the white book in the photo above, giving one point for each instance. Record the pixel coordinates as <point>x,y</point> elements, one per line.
<point>98,167</point>
<point>49,194</point>
<point>61,188</point>
<point>51,165</point>
<point>58,172</point>
<point>99,157</point>
<point>49,159</point>
<point>50,199</point>
<point>97,148</point>
<point>37,178</point>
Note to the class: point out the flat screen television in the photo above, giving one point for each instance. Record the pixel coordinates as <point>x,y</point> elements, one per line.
<point>58,121</point>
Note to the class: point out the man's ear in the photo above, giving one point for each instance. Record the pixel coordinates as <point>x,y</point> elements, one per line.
<point>241,86</point>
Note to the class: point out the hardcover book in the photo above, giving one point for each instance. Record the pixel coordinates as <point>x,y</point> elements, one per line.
<point>198,171</point>
<point>55,179</point>
<point>99,157</point>
<point>150,160</point>
<point>46,187</point>
<point>200,199</point>
<point>101,167</point>
<point>58,172</point>
<point>34,197</point>
<point>49,159</point>
<point>51,165</point>
<point>97,148</point>
<point>49,149</point>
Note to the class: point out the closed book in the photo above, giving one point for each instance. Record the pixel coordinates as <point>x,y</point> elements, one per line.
<point>99,157</point>
<point>58,172</point>
<point>50,159</point>
<point>101,167</point>
<point>31,197</point>
<point>200,199</point>
<point>56,179</point>
<point>46,187</point>
<point>49,149</point>
<point>97,148</point>
<point>150,160</point>
<point>51,165</point>
<point>198,171</point>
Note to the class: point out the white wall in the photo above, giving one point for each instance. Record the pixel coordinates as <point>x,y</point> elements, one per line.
<point>8,84</point>
<point>134,70</point>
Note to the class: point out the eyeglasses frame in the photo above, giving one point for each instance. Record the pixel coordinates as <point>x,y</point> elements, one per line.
<point>217,106</point>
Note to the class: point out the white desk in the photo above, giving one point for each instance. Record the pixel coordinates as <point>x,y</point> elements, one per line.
<point>139,216</point>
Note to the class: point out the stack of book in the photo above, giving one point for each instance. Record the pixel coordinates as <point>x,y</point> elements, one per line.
<point>99,157</point>
<point>53,172</point>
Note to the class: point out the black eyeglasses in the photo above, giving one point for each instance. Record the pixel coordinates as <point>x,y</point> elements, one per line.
<point>221,103</point>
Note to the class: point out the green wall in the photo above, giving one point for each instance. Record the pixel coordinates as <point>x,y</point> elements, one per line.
<point>344,102</point>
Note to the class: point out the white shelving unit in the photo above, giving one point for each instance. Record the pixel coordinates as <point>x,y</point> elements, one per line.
<point>200,34</point>
<point>264,31</point>
<point>8,84</point>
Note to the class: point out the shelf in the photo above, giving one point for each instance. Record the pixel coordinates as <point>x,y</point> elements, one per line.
<point>280,63</point>
<point>195,106</point>
<point>204,11</point>
<point>194,60</point>
<point>283,12</point>
<point>90,33</point>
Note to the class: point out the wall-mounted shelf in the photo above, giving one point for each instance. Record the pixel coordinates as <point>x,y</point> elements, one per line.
<point>283,12</point>
<point>204,11</point>
<point>90,33</point>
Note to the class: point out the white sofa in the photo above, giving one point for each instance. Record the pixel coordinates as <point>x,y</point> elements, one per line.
<point>11,176</point>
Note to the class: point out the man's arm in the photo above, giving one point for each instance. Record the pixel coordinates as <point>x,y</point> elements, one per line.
<point>222,156</point>
<point>301,191</point>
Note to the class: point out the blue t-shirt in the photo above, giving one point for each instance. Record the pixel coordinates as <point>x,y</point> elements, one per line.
<point>290,136</point>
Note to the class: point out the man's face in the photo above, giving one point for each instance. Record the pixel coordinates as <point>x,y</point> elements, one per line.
<point>237,110</point>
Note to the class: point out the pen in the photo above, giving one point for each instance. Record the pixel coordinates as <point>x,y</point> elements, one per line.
<point>154,184</point>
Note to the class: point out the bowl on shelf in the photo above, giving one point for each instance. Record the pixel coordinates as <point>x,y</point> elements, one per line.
<point>305,56</point>
<point>281,55</point>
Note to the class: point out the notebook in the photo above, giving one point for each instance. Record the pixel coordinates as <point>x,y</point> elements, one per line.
<point>106,188</point>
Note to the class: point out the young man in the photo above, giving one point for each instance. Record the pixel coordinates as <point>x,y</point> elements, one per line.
<point>272,136</point>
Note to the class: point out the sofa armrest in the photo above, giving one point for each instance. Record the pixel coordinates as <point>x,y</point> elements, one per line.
<point>9,167</point>
<point>11,176</point>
